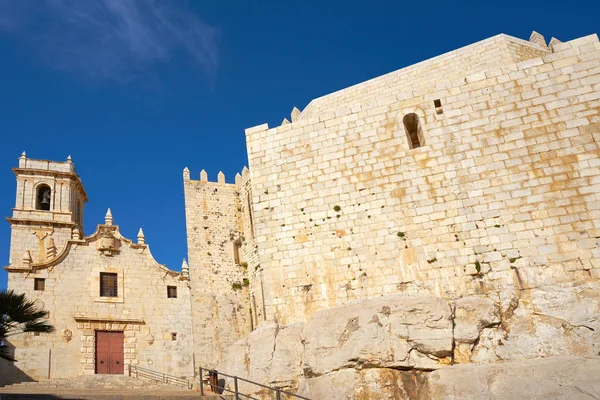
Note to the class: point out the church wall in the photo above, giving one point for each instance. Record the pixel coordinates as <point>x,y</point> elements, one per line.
<point>503,195</point>
<point>142,311</point>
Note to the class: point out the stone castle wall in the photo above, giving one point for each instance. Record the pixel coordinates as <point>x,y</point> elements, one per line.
<point>502,196</point>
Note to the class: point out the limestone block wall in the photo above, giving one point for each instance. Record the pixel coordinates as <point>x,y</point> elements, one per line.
<point>72,296</point>
<point>428,76</point>
<point>219,284</point>
<point>502,195</point>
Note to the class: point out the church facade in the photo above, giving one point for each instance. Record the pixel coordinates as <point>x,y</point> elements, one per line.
<point>473,173</point>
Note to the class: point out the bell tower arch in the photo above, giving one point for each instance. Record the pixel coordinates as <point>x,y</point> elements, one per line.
<point>48,209</point>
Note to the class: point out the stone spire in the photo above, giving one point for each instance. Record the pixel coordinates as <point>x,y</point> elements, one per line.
<point>203,176</point>
<point>185,269</point>
<point>141,237</point>
<point>221,177</point>
<point>108,219</point>
<point>186,174</point>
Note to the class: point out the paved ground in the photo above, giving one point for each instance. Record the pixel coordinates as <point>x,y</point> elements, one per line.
<point>104,394</point>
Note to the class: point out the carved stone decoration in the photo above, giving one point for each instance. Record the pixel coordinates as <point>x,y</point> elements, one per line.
<point>107,243</point>
<point>150,338</point>
<point>67,335</point>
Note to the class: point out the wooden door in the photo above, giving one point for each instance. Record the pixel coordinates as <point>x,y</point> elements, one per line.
<point>109,352</point>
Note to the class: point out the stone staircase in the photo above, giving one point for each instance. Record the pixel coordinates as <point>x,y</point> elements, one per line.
<point>101,387</point>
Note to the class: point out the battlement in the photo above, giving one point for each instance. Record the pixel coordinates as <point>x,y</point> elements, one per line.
<point>240,179</point>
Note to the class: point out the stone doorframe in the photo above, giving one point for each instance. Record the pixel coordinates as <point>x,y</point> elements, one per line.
<point>88,326</point>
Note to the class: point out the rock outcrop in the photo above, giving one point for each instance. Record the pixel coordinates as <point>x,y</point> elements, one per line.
<point>534,343</point>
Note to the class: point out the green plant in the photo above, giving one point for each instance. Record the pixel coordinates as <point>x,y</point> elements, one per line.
<point>245,282</point>
<point>244,264</point>
<point>236,286</point>
<point>477,266</point>
<point>400,234</point>
<point>432,260</point>
<point>337,208</point>
<point>19,315</point>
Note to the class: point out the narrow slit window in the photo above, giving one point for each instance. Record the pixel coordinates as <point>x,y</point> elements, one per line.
<point>44,194</point>
<point>173,335</point>
<point>438,106</point>
<point>412,126</point>
<point>39,284</point>
<point>172,292</point>
<point>108,284</point>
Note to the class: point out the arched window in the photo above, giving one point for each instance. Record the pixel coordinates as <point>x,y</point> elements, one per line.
<point>412,126</point>
<point>43,198</point>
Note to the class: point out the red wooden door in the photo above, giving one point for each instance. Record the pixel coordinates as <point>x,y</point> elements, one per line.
<point>109,352</point>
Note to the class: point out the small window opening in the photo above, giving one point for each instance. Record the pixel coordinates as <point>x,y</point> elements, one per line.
<point>108,284</point>
<point>39,284</point>
<point>172,292</point>
<point>173,335</point>
<point>412,126</point>
<point>236,251</point>
<point>43,198</point>
<point>438,106</point>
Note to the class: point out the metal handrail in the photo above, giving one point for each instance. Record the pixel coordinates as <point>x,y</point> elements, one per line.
<point>158,376</point>
<point>236,392</point>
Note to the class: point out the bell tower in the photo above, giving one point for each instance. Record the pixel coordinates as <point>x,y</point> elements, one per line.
<point>48,209</point>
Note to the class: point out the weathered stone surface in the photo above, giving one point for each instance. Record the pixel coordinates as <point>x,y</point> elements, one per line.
<point>272,355</point>
<point>393,331</point>
<point>553,378</point>
<point>544,322</point>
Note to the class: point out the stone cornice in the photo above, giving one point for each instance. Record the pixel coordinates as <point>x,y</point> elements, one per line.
<point>95,318</point>
<point>23,221</point>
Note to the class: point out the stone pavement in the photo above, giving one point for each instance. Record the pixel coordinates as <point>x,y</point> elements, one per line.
<point>101,387</point>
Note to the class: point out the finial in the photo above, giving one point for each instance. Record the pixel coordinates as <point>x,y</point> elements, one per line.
<point>108,219</point>
<point>23,155</point>
<point>27,260</point>
<point>185,269</point>
<point>69,158</point>
<point>186,174</point>
<point>295,114</point>
<point>141,237</point>
<point>75,234</point>
<point>285,121</point>
<point>203,176</point>
<point>221,177</point>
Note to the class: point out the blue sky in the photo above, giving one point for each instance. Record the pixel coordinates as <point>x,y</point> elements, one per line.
<point>135,91</point>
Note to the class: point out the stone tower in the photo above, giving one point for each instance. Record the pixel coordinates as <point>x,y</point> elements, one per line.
<point>222,263</point>
<point>48,209</point>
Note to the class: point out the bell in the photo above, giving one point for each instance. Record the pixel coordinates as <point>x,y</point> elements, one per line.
<point>46,198</point>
